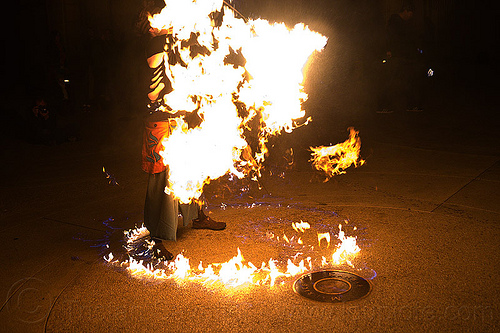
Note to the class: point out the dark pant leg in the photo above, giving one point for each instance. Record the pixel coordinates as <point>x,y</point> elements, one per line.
<point>383,82</point>
<point>161,210</point>
<point>189,212</point>
<point>415,85</point>
<point>153,204</point>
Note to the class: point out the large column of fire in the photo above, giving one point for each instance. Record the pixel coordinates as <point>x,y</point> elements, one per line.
<point>239,76</point>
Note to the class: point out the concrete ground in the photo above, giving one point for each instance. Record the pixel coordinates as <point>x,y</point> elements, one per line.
<point>426,208</point>
<point>427,222</point>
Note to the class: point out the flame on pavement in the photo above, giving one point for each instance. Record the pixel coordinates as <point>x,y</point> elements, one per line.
<point>238,271</point>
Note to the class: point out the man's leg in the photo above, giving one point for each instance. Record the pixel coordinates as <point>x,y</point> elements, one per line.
<point>189,212</point>
<point>155,212</point>
<point>417,77</point>
<point>384,77</point>
<point>194,212</point>
<point>152,205</point>
<point>203,221</point>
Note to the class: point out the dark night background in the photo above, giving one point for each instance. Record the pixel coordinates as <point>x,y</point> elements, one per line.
<point>424,206</point>
<point>104,59</point>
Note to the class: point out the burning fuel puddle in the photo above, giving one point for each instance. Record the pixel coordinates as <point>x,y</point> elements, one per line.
<point>292,240</point>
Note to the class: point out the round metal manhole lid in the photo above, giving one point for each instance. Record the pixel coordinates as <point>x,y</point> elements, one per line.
<point>332,286</point>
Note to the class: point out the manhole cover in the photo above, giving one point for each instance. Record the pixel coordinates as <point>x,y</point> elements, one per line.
<point>332,286</point>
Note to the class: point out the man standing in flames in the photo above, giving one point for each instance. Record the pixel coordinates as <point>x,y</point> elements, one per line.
<point>161,210</point>
<point>405,72</point>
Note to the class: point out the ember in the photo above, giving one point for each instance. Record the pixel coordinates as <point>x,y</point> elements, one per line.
<point>111,179</point>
